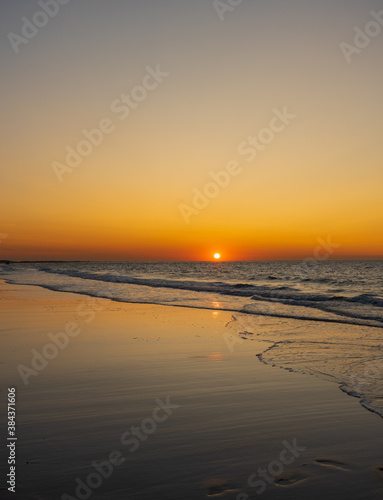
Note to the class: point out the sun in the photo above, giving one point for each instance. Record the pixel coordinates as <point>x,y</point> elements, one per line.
<point>217,256</point>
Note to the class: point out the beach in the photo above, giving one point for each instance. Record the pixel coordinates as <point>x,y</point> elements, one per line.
<point>191,250</point>
<point>146,401</point>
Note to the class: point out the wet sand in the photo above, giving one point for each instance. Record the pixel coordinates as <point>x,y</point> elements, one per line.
<point>177,406</point>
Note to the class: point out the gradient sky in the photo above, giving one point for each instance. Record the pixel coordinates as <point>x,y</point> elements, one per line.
<point>322,176</point>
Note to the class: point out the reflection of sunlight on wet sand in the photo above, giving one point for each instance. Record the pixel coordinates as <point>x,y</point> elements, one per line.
<point>218,357</point>
<point>217,305</point>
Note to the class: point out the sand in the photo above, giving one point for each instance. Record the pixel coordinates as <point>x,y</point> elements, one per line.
<point>171,408</point>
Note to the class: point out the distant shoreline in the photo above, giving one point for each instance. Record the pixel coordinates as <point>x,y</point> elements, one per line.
<point>4,261</point>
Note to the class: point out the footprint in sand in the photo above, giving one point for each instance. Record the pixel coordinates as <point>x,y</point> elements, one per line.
<point>290,479</point>
<point>33,461</point>
<point>219,487</point>
<point>333,464</point>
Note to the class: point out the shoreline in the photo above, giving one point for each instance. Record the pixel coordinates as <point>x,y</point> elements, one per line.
<point>230,404</point>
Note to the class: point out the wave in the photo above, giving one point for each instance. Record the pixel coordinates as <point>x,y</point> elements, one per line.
<point>262,300</point>
<point>329,281</point>
<point>240,289</point>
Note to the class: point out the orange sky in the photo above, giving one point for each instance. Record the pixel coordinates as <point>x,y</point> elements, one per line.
<point>321,176</point>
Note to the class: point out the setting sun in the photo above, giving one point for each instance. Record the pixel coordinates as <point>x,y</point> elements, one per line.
<point>217,256</point>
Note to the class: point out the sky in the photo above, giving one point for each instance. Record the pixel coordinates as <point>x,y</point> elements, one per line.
<point>251,130</point>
